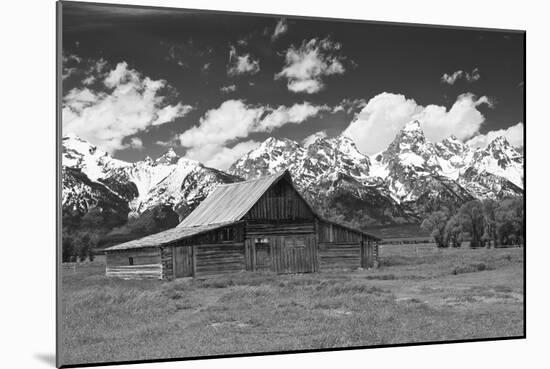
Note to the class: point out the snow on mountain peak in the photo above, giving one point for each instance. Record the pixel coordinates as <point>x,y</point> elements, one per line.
<point>169,179</point>
<point>411,170</point>
<point>170,157</point>
<point>171,153</point>
<point>77,144</point>
<point>501,144</point>
<point>450,146</point>
<point>273,142</point>
<point>500,148</point>
<point>413,125</point>
<point>80,154</point>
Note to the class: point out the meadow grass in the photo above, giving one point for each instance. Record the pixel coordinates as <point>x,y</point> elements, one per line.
<point>419,297</point>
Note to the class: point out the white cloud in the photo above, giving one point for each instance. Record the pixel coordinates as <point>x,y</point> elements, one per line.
<point>221,157</point>
<point>168,143</point>
<point>350,105</point>
<point>131,103</point>
<point>171,112</point>
<point>450,79</point>
<point>297,113</point>
<point>228,89</point>
<point>306,65</point>
<point>234,120</point>
<point>375,127</point>
<point>81,99</point>
<point>136,143</point>
<point>513,134</point>
<point>88,69</point>
<point>309,86</point>
<point>88,80</point>
<point>241,64</point>
<point>280,29</point>
<point>463,119</point>
<point>313,137</point>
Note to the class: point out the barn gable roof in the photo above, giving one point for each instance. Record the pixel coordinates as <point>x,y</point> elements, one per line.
<point>230,202</point>
<point>227,204</point>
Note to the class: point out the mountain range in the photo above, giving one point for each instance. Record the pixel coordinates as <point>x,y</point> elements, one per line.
<point>412,177</point>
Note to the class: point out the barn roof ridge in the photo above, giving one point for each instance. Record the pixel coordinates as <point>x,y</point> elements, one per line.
<point>276,174</point>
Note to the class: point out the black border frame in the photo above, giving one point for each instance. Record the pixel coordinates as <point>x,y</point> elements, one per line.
<point>58,184</point>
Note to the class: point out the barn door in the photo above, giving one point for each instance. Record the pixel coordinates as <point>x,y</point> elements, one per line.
<point>183,261</point>
<point>293,254</point>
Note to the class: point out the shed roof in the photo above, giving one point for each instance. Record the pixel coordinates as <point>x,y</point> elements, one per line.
<point>167,236</point>
<point>350,228</point>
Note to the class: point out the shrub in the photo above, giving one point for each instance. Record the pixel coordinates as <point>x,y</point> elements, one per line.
<point>470,268</point>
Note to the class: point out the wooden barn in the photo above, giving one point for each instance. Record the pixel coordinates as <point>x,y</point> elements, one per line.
<point>260,224</point>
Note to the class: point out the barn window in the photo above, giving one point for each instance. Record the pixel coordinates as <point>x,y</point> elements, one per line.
<point>131,261</point>
<point>227,234</point>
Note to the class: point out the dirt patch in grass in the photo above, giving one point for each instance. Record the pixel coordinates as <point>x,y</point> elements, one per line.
<point>471,268</point>
<point>383,277</point>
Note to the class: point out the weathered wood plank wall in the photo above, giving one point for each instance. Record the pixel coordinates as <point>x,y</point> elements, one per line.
<point>219,258</point>
<point>146,264</point>
<point>329,232</point>
<point>280,202</point>
<point>259,228</point>
<point>341,247</point>
<point>166,258</point>
<point>339,255</point>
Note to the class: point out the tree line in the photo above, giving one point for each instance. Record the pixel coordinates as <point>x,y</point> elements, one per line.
<point>83,234</point>
<point>485,223</point>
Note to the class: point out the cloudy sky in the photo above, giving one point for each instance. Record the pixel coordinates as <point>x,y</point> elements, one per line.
<point>137,81</point>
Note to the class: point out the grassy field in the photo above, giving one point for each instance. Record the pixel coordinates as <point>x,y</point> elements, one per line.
<point>418,294</point>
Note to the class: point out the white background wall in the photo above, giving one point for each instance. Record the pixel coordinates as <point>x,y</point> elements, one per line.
<point>27,181</point>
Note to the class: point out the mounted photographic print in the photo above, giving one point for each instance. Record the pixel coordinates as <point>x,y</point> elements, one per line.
<point>242,184</point>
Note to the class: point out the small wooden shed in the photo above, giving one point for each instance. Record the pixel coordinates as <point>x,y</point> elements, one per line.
<point>260,224</point>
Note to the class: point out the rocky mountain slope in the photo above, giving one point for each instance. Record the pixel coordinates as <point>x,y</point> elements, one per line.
<point>398,185</point>
<point>91,177</point>
<point>411,177</point>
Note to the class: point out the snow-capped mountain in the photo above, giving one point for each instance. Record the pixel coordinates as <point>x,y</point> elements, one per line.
<point>169,180</point>
<point>330,172</point>
<point>493,172</point>
<point>501,159</point>
<point>408,162</point>
<point>412,176</point>
<point>324,159</point>
<point>80,194</point>
<point>400,184</point>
